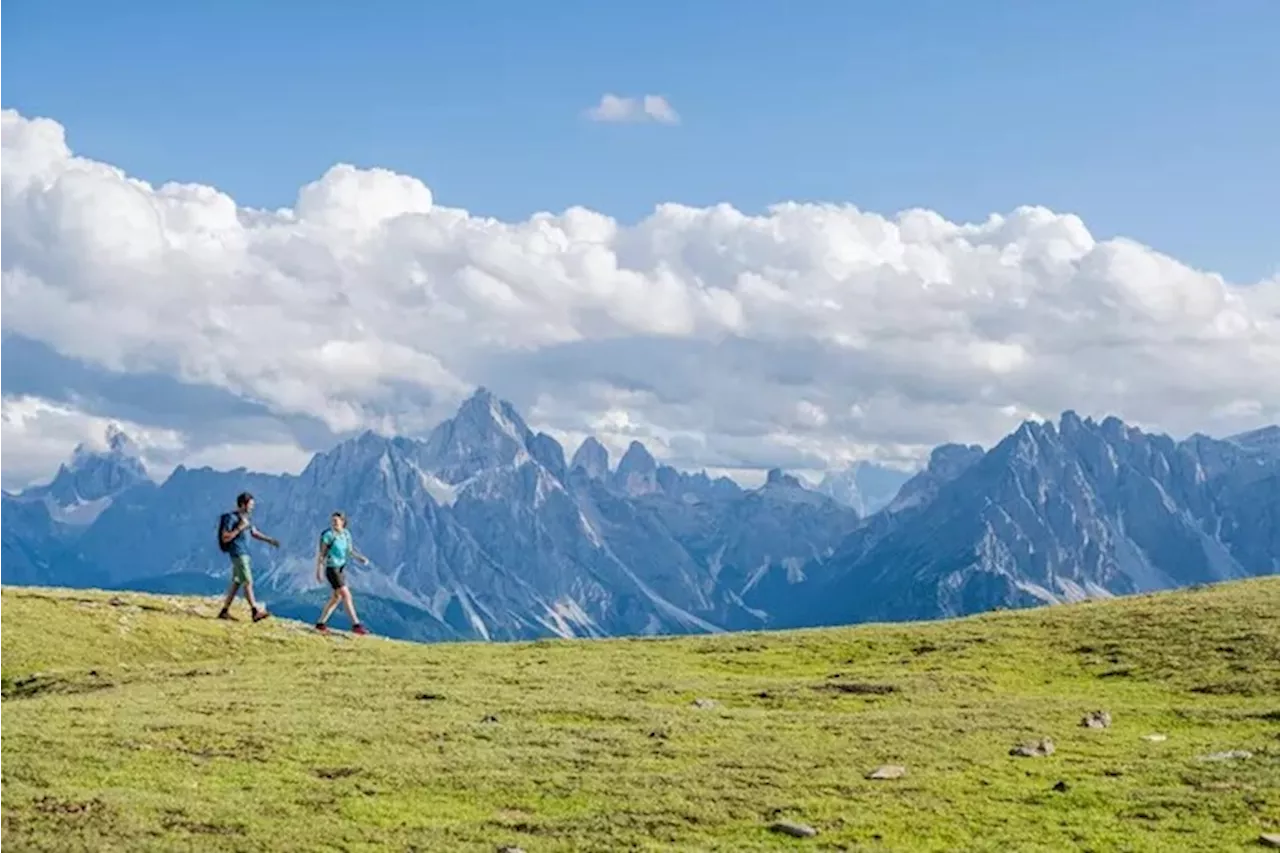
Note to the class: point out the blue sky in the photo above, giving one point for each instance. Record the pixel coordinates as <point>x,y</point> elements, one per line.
<point>1155,120</point>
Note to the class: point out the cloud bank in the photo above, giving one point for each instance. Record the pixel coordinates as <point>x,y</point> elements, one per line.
<point>648,108</point>
<point>807,336</point>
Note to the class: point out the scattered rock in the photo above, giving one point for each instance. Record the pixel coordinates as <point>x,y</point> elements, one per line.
<point>1229,755</point>
<point>1035,749</point>
<point>888,771</point>
<point>1096,720</point>
<point>507,848</point>
<point>1270,839</point>
<point>1062,787</point>
<point>705,703</point>
<point>428,697</point>
<point>795,830</point>
<point>1157,738</point>
<point>658,734</point>
<point>490,718</point>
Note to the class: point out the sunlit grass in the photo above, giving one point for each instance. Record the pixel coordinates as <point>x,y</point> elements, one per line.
<point>135,722</point>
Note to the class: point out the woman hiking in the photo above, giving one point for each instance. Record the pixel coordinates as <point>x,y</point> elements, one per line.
<point>336,548</point>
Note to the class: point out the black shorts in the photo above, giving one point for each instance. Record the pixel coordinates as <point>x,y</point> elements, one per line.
<point>336,577</point>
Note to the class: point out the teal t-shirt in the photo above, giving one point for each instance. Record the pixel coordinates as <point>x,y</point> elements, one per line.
<point>339,545</point>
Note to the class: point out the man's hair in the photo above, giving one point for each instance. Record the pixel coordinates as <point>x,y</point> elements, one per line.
<point>243,499</point>
<point>338,514</point>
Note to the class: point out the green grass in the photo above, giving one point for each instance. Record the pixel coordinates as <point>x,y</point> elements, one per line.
<point>135,722</point>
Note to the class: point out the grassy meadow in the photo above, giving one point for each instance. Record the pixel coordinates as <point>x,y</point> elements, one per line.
<point>138,722</point>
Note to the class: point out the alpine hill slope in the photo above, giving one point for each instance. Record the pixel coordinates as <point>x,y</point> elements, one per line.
<point>137,722</point>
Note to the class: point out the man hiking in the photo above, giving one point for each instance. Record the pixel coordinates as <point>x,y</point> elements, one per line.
<point>336,548</point>
<point>234,530</point>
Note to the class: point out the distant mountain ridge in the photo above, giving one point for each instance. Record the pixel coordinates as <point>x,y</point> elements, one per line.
<point>483,530</point>
<point>1056,513</point>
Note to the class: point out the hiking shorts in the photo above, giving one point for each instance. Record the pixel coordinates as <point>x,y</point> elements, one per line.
<point>241,569</point>
<point>336,576</point>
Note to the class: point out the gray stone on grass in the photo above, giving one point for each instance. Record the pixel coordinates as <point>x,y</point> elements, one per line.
<point>888,771</point>
<point>1155,738</point>
<point>1229,755</point>
<point>1270,839</point>
<point>1096,720</point>
<point>795,830</point>
<point>705,703</point>
<point>1035,749</point>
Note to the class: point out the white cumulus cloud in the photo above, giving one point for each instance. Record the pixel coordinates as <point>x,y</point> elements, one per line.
<point>647,108</point>
<point>809,335</point>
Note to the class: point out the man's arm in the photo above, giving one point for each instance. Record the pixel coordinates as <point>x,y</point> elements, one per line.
<point>232,532</point>
<point>262,537</point>
<point>361,557</point>
<point>321,553</point>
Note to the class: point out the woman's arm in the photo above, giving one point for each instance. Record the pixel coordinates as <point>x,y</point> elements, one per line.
<point>321,553</point>
<point>361,557</point>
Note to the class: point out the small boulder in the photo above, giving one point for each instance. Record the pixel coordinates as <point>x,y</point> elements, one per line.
<point>1062,787</point>
<point>1096,720</point>
<point>888,771</point>
<point>490,718</point>
<point>705,704</point>
<point>507,848</point>
<point>1270,839</point>
<point>1229,755</point>
<point>1155,738</point>
<point>1035,749</point>
<point>795,830</point>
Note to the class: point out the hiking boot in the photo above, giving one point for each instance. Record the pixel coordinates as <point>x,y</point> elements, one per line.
<point>259,615</point>
<point>322,628</point>
<point>359,628</point>
<point>222,614</point>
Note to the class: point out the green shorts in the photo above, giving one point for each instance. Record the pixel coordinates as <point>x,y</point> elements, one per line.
<point>241,569</point>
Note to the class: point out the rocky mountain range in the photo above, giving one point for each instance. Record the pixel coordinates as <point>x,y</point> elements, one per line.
<point>483,530</point>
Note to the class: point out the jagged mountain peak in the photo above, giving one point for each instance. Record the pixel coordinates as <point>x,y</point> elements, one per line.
<point>865,486</point>
<point>778,478</point>
<point>946,457</point>
<point>1265,440</point>
<point>637,458</point>
<point>119,446</point>
<point>946,463</point>
<point>637,472</point>
<point>592,458</point>
<point>86,484</point>
<point>486,433</point>
<point>484,412</point>
<point>347,457</point>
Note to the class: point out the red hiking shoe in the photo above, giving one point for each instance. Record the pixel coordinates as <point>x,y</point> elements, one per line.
<point>322,628</point>
<point>222,614</point>
<point>358,628</point>
<point>260,615</point>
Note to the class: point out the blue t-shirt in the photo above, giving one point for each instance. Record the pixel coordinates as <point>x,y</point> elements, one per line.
<point>339,545</point>
<point>238,546</point>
